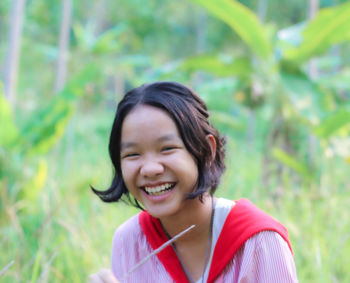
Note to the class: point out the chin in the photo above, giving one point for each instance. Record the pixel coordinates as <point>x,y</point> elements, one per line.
<point>163,211</point>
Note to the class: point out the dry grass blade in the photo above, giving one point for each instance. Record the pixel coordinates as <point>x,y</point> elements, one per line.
<point>2,272</point>
<point>162,247</point>
<point>44,277</point>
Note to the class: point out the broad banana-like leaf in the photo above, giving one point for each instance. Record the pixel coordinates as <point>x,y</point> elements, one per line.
<point>306,97</point>
<point>213,64</point>
<point>47,126</point>
<point>243,21</point>
<point>330,125</point>
<point>293,163</point>
<point>331,26</point>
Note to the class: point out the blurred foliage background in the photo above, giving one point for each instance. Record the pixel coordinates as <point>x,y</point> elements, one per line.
<point>275,75</point>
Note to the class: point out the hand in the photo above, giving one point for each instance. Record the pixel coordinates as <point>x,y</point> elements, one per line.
<point>103,276</point>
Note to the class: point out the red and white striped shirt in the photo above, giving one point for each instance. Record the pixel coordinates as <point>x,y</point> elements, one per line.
<point>264,257</point>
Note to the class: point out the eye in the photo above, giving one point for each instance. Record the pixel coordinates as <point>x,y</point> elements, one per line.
<point>129,155</point>
<point>168,148</point>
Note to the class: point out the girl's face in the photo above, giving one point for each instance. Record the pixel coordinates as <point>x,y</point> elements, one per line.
<point>156,167</point>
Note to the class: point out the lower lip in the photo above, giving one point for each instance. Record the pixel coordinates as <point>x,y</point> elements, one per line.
<point>159,198</point>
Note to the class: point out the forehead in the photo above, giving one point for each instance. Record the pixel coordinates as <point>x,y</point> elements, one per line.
<point>146,121</point>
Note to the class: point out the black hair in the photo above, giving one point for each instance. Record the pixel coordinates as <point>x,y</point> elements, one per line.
<point>190,115</point>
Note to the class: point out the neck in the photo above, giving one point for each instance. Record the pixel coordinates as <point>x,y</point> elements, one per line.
<point>194,212</point>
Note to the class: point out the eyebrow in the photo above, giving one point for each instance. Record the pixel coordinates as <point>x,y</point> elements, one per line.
<point>169,137</point>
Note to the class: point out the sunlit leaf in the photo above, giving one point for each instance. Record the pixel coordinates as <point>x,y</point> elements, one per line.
<point>33,188</point>
<point>51,130</point>
<point>243,21</point>
<point>291,162</point>
<point>8,129</point>
<point>215,65</point>
<point>331,26</point>
<point>333,123</point>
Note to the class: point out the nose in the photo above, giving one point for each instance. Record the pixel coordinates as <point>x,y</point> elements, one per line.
<point>151,168</point>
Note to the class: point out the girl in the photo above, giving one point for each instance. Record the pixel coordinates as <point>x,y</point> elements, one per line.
<point>168,160</point>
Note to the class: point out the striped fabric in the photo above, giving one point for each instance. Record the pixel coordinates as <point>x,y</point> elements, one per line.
<point>265,257</point>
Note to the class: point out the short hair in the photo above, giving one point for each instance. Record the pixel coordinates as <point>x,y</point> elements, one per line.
<point>190,115</point>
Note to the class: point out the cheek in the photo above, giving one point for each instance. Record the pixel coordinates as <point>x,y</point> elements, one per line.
<point>129,171</point>
<point>125,173</point>
<point>189,168</point>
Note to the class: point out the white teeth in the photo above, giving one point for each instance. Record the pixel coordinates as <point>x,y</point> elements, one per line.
<point>158,190</point>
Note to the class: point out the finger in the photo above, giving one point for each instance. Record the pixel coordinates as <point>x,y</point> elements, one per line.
<point>95,278</point>
<point>107,276</point>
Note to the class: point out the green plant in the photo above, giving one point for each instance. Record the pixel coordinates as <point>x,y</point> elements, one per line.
<point>272,75</point>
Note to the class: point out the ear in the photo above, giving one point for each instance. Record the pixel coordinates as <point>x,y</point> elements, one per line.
<point>212,143</point>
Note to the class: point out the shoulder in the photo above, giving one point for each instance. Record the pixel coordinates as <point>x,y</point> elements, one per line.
<point>126,243</point>
<point>127,238</point>
<point>246,220</point>
<point>267,242</point>
<point>269,256</point>
<point>127,231</point>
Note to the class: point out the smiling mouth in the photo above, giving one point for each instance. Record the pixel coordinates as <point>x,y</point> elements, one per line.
<point>159,190</point>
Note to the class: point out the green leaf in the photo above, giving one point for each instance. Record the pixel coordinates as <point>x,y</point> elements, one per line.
<point>226,119</point>
<point>305,96</point>
<point>108,41</point>
<point>337,81</point>
<point>330,125</point>
<point>76,86</point>
<point>219,94</point>
<point>32,189</point>
<point>50,127</point>
<point>8,129</point>
<point>331,26</point>
<point>215,65</point>
<point>243,21</point>
<point>84,36</point>
<point>47,126</point>
<point>36,267</point>
<point>291,162</point>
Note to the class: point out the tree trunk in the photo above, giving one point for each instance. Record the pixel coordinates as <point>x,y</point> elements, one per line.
<point>201,42</point>
<point>251,131</point>
<point>13,50</point>
<point>118,86</point>
<point>62,60</point>
<point>99,16</point>
<point>313,73</point>
<point>201,32</point>
<point>262,10</point>
<point>313,9</point>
